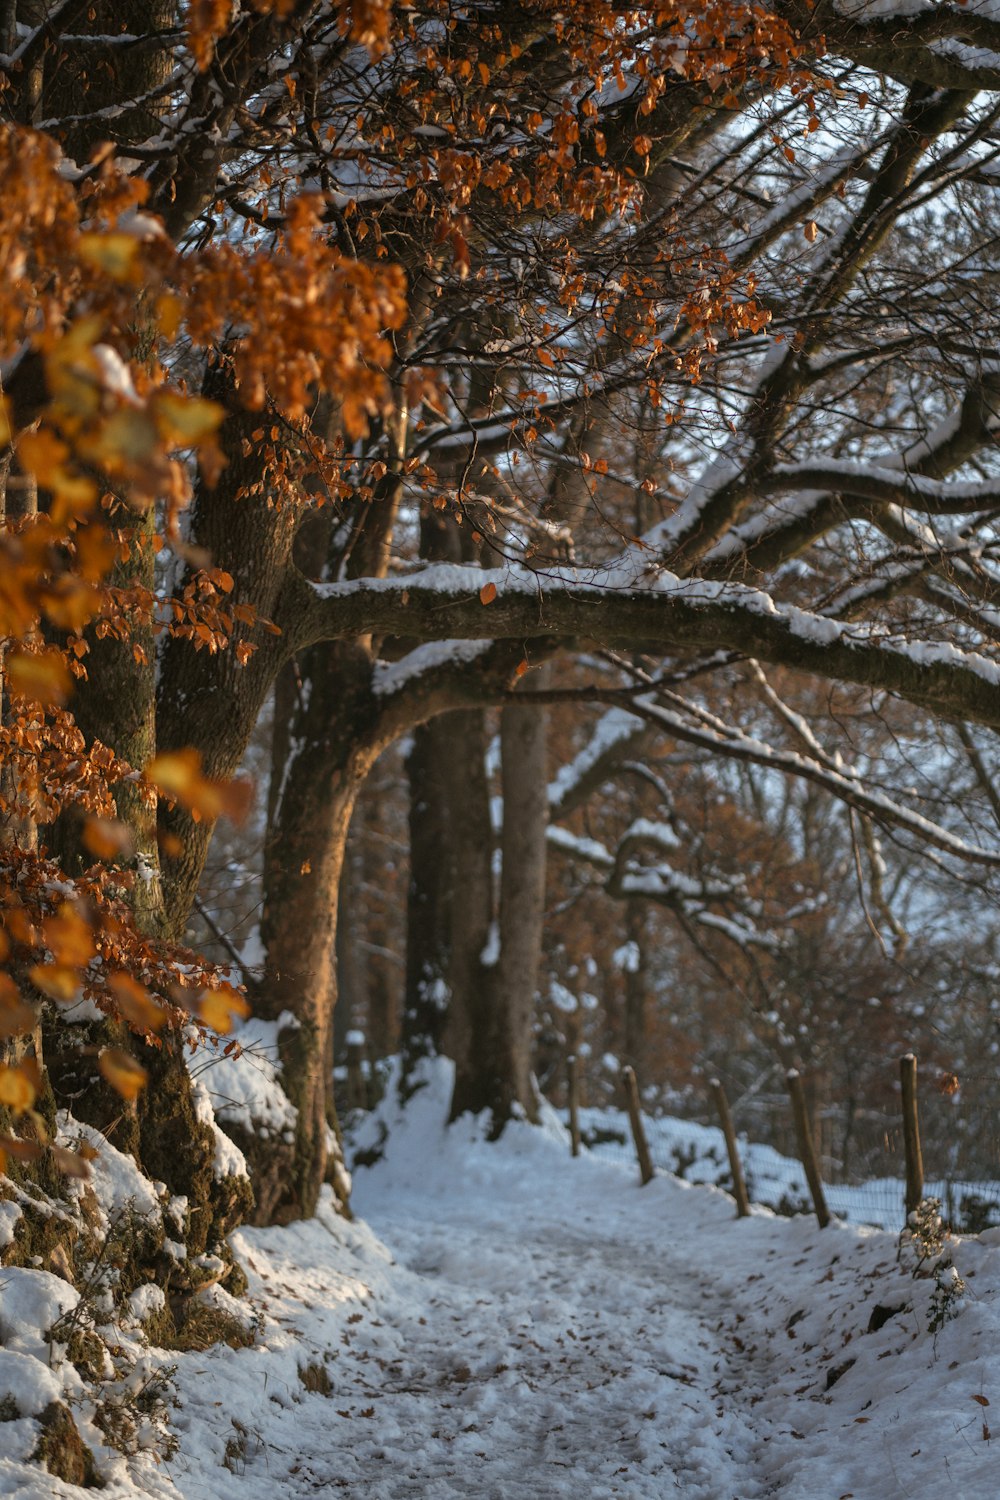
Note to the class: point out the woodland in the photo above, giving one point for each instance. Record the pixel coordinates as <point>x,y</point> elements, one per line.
<point>499,519</point>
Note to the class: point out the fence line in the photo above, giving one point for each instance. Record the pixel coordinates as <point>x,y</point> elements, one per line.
<point>955,1140</point>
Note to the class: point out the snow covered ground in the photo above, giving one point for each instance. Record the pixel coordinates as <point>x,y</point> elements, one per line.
<point>506,1323</point>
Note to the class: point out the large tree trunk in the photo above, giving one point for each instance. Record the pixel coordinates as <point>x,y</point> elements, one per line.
<point>524,741</point>
<point>473,939</point>
<point>432,766</point>
<point>316,783</point>
<point>496,946</point>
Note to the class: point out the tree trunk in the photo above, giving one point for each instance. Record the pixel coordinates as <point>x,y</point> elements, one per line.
<point>432,767</point>
<point>636,1015</point>
<point>494,969</point>
<point>468,1036</point>
<point>317,784</point>
<point>524,738</point>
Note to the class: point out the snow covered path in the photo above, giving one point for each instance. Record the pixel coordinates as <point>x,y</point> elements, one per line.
<point>578,1365</point>
<point>505,1324</point>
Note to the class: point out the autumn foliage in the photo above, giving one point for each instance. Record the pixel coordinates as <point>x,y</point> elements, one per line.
<point>99,313</point>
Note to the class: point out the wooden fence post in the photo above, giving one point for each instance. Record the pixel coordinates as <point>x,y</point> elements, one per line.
<point>735,1165</point>
<point>911,1133</point>
<point>635,1120</point>
<point>807,1151</point>
<point>573,1088</point>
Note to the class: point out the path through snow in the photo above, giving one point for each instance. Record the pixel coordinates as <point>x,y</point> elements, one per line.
<point>511,1325</point>
<point>507,1324</point>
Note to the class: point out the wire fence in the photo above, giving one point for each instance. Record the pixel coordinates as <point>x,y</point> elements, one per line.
<point>861,1153</point>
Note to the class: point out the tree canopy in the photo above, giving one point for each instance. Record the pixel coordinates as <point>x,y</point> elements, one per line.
<point>374,356</point>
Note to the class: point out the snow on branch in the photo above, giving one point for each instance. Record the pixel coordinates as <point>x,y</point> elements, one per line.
<point>698,727</point>
<point>633,602</point>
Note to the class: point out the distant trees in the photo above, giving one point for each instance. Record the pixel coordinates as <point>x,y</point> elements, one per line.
<point>479,341</point>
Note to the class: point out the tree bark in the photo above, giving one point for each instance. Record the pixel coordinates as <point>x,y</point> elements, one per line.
<point>524,740</point>
<point>431,770</point>
<point>494,970</point>
<point>468,1035</point>
<point>319,780</point>
<point>636,1011</point>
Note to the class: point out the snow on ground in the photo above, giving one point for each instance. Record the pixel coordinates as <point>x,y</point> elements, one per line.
<point>506,1323</point>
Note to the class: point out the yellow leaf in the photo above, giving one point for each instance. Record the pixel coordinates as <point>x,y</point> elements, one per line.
<point>18,1088</point>
<point>169,314</point>
<point>57,981</point>
<point>186,421</point>
<point>175,772</point>
<point>68,936</point>
<point>218,1007</point>
<point>114,254</point>
<point>42,676</point>
<point>128,436</point>
<point>43,454</point>
<point>126,1076</point>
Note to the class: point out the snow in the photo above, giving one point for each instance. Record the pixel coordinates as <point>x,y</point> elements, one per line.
<point>504,1321</point>
<point>392,677</point>
<point>616,728</point>
<point>9,1215</point>
<point>243,1088</point>
<point>115,1179</point>
<point>490,955</point>
<point>229,1160</point>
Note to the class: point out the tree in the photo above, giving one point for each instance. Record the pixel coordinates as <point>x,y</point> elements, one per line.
<point>424,260</point>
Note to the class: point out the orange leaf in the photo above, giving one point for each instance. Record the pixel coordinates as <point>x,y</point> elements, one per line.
<point>16,1018</point>
<point>175,773</point>
<point>487,593</point>
<point>105,838</point>
<point>68,937</point>
<point>57,981</point>
<point>126,1076</point>
<point>135,1003</point>
<point>69,1163</point>
<point>18,1089</point>
<point>218,1007</point>
<point>236,797</point>
<point>42,676</point>
<point>12,1145</point>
